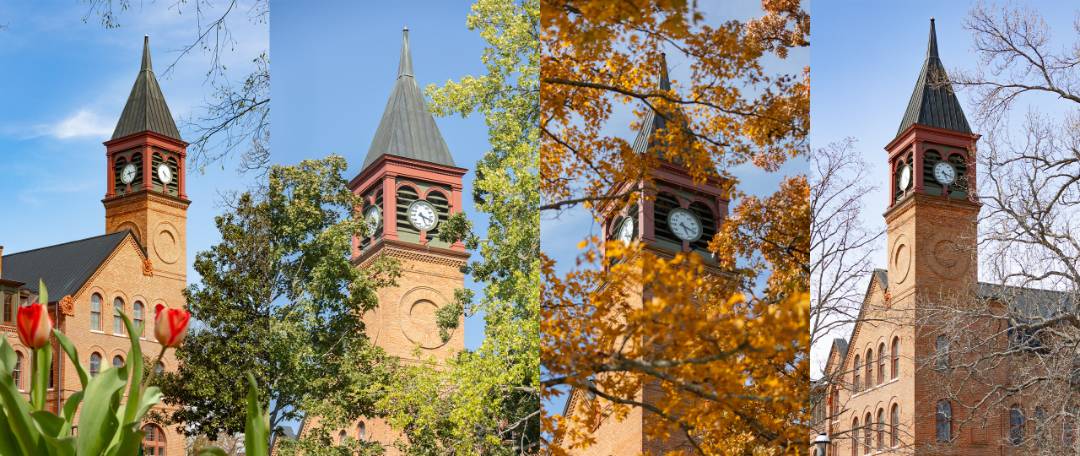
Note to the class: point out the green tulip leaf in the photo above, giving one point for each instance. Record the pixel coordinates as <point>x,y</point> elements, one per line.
<point>257,429</point>
<point>8,445</point>
<point>98,423</point>
<point>17,410</point>
<point>43,293</point>
<point>135,365</point>
<point>49,424</point>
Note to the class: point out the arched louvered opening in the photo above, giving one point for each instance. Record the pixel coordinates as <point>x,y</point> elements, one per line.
<point>156,160</point>
<point>137,160</point>
<point>406,194</point>
<point>442,208</point>
<point>665,202</point>
<point>708,225</point>
<point>959,189</point>
<point>378,203</point>
<point>118,168</point>
<point>930,183</point>
<point>173,187</point>
<point>904,160</point>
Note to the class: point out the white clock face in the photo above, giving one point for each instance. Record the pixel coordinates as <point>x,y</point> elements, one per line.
<point>422,215</point>
<point>905,177</point>
<point>164,173</point>
<point>127,175</point>
<point>944,173</point>
<point>684,224</point>
<point>626,230</point>
<point>373,217</point>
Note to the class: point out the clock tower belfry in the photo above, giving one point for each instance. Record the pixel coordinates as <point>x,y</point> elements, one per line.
<point>932,215</point>
<point>145,191</point>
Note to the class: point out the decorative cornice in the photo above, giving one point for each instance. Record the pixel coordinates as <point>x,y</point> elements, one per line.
<point>408,251</point>
<point>67,305</point>
<point>155,197</point>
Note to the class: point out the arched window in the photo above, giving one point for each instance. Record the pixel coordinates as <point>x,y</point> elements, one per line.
<point>895,357</point>
<point>118,321</point>
<point>1068,430</point>
<point>16,373</point>
<point>855,437</point>
<point>154,442</point>
<point>361,431</point>
<point>869,368</point>
<point>1016,425</point>
<point>941,353</point>
<point>341,437</point>
<point>880,428</point>
<point>858,368</point>
<point>943,421</point>
<point>137,310</point>
<point>95,312</point>
<point>159,369</point>
<point>118,361</point>
<point>881,363</point>
<point>894,430</point>
<point>868,434</point>
<point>9,308</point>
<point>95,364</point>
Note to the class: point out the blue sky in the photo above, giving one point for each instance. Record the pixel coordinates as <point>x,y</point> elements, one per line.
<point>65,82</point>
<point>866,57</point>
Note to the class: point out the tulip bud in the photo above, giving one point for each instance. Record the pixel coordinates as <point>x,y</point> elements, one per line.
<point>170,325</point>
<point>34,325</point>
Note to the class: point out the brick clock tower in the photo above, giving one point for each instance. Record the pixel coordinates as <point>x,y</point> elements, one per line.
<point>409,186</point>
<point>670,214</point>
<point>146,178</point>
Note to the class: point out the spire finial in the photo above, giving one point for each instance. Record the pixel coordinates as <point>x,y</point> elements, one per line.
<point>405,65</point>
<point>665,84</point>
<point>146,65</point>
<point>931,47</point>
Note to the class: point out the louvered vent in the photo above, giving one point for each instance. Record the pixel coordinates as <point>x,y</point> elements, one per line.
<point>155,161</point>
<point>930,183</point>
<point>442,207</point>
<point>118,168</point>
<point>173,188</point>
<point>366,241</point>
<point>959,188</point>
<point>708,226</point>
<point>665,202</point>
<point>904,161</point>
<point>405,196</point>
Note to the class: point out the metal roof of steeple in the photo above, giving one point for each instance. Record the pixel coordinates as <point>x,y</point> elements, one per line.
<point>933,102</point>
<point>146,109</point>
<point>407,128</point>
<point>652,122</point>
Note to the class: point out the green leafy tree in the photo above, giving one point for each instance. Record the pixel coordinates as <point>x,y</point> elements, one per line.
<point>280,299</point>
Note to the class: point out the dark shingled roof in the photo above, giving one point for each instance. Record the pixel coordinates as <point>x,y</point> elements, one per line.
<point>933,102</point>
<point>407,128</point>
<point>1028,302</point>
<point>64,267</point>
<point>146,109</point>
<point>840,345</point>
<point>652,122</point>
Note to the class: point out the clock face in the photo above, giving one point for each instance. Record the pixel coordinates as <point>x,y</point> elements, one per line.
<point>127,175</point>
<point>164,173</point>
<point>684,224</point>
<point>944,173</point>
<point>373,217</point>
<point>905,177</point>
<point>422,215</point>
<point>625,232</point>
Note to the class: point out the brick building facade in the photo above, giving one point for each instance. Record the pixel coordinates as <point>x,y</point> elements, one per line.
<point>889,387</point>
<point>140,261</point>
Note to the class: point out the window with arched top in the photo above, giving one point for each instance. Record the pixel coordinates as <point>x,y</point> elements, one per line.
<point>118,321</point>
<point>881,429</point>
<point>154,443</point>
<point>16,373</point>
<point>855,437</point>
<point>869,368</point>
<point>138,311</point>
<point>856,370</point>
<point>9,308</point>
<point>881,363</point>
<point>941,347</point>
<point>1068,429</point>
<point>341,437</point>
<point>95,364</point>
<point>868,433</point>
<point>895,353</point>
<point>943,421</point>
<point>95,312</point>
<point>361,431</point>
<point>894,429</point>
<point>1016,425</point>
<point>118,361</point>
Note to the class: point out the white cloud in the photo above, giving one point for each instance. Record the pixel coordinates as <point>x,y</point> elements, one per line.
<point>83,123</point>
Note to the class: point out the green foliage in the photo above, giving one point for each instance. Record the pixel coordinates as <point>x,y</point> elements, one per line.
<point>107,425</point>
<point>281,300</point>
<point>487,401</point>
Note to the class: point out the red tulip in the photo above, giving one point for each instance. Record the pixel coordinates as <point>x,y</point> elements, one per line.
<point>170,325</point>
<point>34,325</point>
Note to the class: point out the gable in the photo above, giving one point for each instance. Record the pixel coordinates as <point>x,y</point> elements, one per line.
<point>64,268</point>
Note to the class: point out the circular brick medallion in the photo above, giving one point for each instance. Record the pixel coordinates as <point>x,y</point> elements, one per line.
<point>166,244</point>
<point>417,313</point>
<point>901,260</point>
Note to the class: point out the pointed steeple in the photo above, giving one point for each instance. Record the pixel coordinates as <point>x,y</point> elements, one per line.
<point>146,109</point>
<point>933,102</point>
<point>652,122</point>
<point>407,128</point>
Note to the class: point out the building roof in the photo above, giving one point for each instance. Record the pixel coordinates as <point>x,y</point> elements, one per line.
<point>840,345</point>
<point>64,267</point>
<point>933,102</point>
<point>407,128</point>
<point>1025,301</point>
<point>653,122</point>
<point>146,109</point>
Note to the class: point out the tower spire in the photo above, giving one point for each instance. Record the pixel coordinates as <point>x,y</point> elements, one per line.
<point>405,63</point>
<point>146,109</point>
<point>933,103</point>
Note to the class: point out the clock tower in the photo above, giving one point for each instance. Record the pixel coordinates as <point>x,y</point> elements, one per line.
<point>933,211</point>
<point>410,187</point>
<point>145,190</point>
